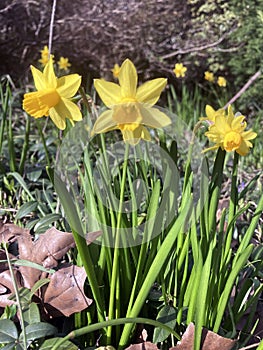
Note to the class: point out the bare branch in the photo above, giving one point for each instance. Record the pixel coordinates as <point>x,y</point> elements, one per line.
<point>244,88</point>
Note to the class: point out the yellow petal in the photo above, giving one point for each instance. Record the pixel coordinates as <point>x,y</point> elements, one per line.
<point>209,110</point>
<point>128,79</point>
<point>221,124</point>
<point>104,123</point>
<point>238,123</point>
<point>153,117</point>
<point>51,79</point>
<point>150,91</point>
<point>243,148</point>
<point>210,148</point>
<point>249,135</point>
<point>39,78</point>
<point>211,113</point>
<point>68,85</point>
<point>58,119</point>
<point>110,93</point>
<point>68,109</point>
<point>145,134</point>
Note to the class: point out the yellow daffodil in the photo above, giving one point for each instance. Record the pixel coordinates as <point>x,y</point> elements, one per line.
<point>228,132</point>
<point>179,70</point>
<point>45,56</point>
<point>45,51</point>
<point>209,76</point>
<point>116,70</point>
<point>63,63</point>
<point>131,108</point>
<point>221,81</point>
<point>52,97</point>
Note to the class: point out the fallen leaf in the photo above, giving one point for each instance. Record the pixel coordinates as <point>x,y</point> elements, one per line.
<point>7,288</point>
<point>64,294</point>
<point>210,340</point>
<point>50,247</point>
<point>65,290</point>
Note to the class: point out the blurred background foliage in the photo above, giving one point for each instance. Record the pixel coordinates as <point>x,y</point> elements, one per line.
<point>221,36</point>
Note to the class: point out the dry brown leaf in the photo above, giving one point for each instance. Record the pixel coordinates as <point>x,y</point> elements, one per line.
<point>7,288</point>
<point>210,340</point>
<point>65,290</point>
<point>65,293</point>
<point>46,251</point>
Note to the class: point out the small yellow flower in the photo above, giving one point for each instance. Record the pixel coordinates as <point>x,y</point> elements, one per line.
<point>209,76</point>
<point>63,63</point>
<point>116,70</point>
<point>45,51</point>
<point>228,132</point>
<point>130,107</point>
<point>52,97</point>
<point>179,70</point>
<point>45,56</point>
<point>221,81</point>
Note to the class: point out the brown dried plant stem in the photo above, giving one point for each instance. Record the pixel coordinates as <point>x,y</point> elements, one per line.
<point>243,89</point>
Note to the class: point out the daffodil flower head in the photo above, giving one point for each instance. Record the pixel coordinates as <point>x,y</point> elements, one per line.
<point>221,81</point>
<point>52,97</point>
<point>63,63</point>
<point>209,76</point>
<point>116,70</point>
<point>228,132</point>
<point>179,70</point>
<point>45,51</point>
<point>130,108</point>
<point>45,56</point>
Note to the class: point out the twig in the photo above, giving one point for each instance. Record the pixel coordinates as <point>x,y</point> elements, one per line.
<point>244,88</point>
<point>51,26</point>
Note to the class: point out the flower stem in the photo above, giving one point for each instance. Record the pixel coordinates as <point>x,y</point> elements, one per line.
<point>19,305</point>
<point>217,178</point>
<point>154,270</point>
<point>233,195</point>
<point>44,143</point>
<point>115,267</point>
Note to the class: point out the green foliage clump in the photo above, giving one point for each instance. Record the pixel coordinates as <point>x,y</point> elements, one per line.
<point>248,59</point>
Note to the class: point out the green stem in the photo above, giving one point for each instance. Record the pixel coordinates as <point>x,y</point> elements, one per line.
<point>5,97</point>
<point>110,323</point>
<point>115,266</point>
<point>25,146</point>
<point>217,178</point>
<point>233,195</point>
<point>233,204</point>
<point>43,142</point>
<point>85,100</point>
<point>155,269</point>
<point>11,146</point>
<point>19,305</point>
